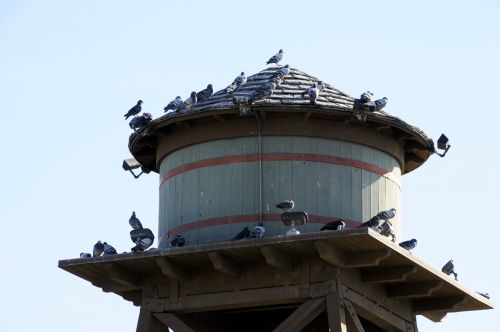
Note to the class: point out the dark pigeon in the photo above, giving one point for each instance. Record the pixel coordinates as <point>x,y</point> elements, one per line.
<point>312,92</point>
<point>409,245</point>
<point>366,97</point>
<point>85,255</point>
<point>265,90</point>
<point>386,230</point>
<point>243,234</point>
<point>108,249</point>
<point>449,268</point>
<point>276,58</point>
<point>134,110</point>
<point>258,231</point>
<point>98,249</point>
<point>174,104</point>
<point>373,222</point>
<point>380,103</point>
<point>178,241</point>
<point>336,225</point>
<point>486,295</point>
<point>286,205</point>
<point>140,121</point>
<point>134,222</point>
<point>204,94</point>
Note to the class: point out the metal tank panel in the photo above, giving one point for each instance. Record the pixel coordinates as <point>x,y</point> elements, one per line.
<point>209,191</point>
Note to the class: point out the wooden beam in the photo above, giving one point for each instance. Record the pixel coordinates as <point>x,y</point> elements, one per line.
<point>148,323</point>
<point>172,270</point>
<point>336,313</point>
<point>173,322</point>
<point>338,258</point>
<point>414,289</point>
<point>224,264</point>
<point>121,275</point>
<point>330,254</point>
<point>436,316</point>
<point>438,303</point>
<point>356,323</point>
<point>219,118</point>
<point>277,258</point>
<point>302,316</point>
<point>387,274</point>
<point>382,127</point>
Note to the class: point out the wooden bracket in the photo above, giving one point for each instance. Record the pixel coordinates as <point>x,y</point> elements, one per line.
<point>278,259</point>
<point>414,289</point>
<point>387,274</point>
<point>438,304</point>
<point>302,316</point>
<point>223,264</point>
<point>171,270</point>
<point>121,275</point>
<point>338,258</point>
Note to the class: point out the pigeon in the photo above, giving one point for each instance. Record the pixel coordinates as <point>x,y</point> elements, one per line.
<point>263,91</point>
<point>336,225</point>
<point>380,103</point>
<point>140,121</point>
<point>238,81</point>
<point>313,93</point>
<point>178,241</point>
<point>282,71</point>
<point>275,58</point>
<point>409,245</point>
<point>287,205</point>
<point>204,94</point>
<point>386,215</point>
<point>386,230</point>
<point>449,268</point>
<point>134,222</point>
<point>85,255</point>
<point>174,104</point>
<point>366,97</point>
<point>98,249</point>
<point>321,86</point>
<point>134,110</point>
<point>188,103</point>
<point>243,234</point>
<point>108,249</point>
<point>258,231</point>
<point>486,295</point>
<point>372,223</point>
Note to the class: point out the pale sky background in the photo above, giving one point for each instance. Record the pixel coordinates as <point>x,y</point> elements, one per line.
<point>69,70</point>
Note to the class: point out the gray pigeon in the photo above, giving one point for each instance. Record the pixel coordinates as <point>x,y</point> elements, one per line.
<point>264,91</point>
<point>286,205</point>
<point>134,222</point>
<point>174,104</point>
<point>275,58</point>
<point>336,225</point>
<point>188,103</point>
<point>108,249</point>
<point>85,255</point>
<point>380,103</point>
<point>178,241</point>
<point>366,97</point>
<point>409,245</point>
<point>238,81</point>
<point>386,215</point>
<point>243,234</point>
<point>134,110</point>
<point>140,121</point>
<point>282,71</point>
<point>321,86</point>
<point>386,230</point>
<point>258,231</point>
<point>313,93</point>
<point>372,223</point>
<point>204,94</point>
<point>98,249</point>
<point>449,268</point>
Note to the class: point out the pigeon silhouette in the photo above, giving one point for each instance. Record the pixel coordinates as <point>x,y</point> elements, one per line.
<point>108,249</point>
<point>98,249</point>
<point>258,231</point>
<point>85,255</point>
<point>238,81</point>
<point>380,103</point>
<point>134,222</point>
<point>409,245</point>
<point>336,225</point>
<point>205,93</point>
<point>286,205</point>
<point>276,58</point>
<point>449,268</point>
<point>312,92</point>
<point>174,104</point>
<point>188,103</point>
<point>366,97</point>
<point>178,241</point>
<point>140,121</point>
<point>282,72</point>
<point>134,110</point>
<point>243,234</point>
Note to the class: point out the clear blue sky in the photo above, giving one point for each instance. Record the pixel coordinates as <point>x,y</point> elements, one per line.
<point>69,70</point>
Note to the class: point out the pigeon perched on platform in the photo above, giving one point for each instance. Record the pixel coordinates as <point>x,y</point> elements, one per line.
<point>258,231</point>
<point>286,205</point>
<point>205,93</point>
<point>372,223</point>
<point>282,72</point>
<point>238,81</point>
<point>178,241</point>
<point>486,295</point>
<point>98,249</point>
<point>449,268</point>
<point>134,110</point>
<point>366,97</point>
<point>134,222</point>
<point>275,58</point>
<point>312,92</point>
<point>174,104</point>
<point>85,255</point>
<point>386,215</point>
<point>188,103</point>
<point>140,121</point>
<point>386,230</point>
<point>142,237</point>
<point>108,249</point>
<point>243,234</point>
<point>380,103</point>
<point>336,225</point>
<point>409,245</point>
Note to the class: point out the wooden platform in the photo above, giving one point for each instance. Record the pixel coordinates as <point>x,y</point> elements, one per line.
<point>372,280</point>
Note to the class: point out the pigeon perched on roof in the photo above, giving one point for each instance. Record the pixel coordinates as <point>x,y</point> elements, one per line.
<point>286,205</point>
<point>98,249</point>
<point>321,86</point>
<point>189,102</point>
<point>140,121</point>
<point>108,249</point>
<point>263,91</point>
<point>486,295</point>
<point>275,58</point>
<point>178,241</point>
<point>174,104</point>
<point>243,234</point>
<point>134,110</point>
<point>238,81</point>
<point>312,92</point>
<point>85,255</point>
<point>336,225</point>
<point>134,222</point>
<point>205,93</point>
<point>409,245</point>
<point>282,72</point>
<point>258,231</point>
<point>380,103</point>
<point>449,268</point>
<point>366,96</point>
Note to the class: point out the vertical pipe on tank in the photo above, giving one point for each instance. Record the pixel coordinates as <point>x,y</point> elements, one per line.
<point>260,165</point>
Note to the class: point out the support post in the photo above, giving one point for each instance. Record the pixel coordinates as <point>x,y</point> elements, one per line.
<point>336,313</point>
<point>148,323</point>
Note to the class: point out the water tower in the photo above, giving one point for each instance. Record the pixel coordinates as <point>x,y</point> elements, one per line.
<point>223,164</point>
